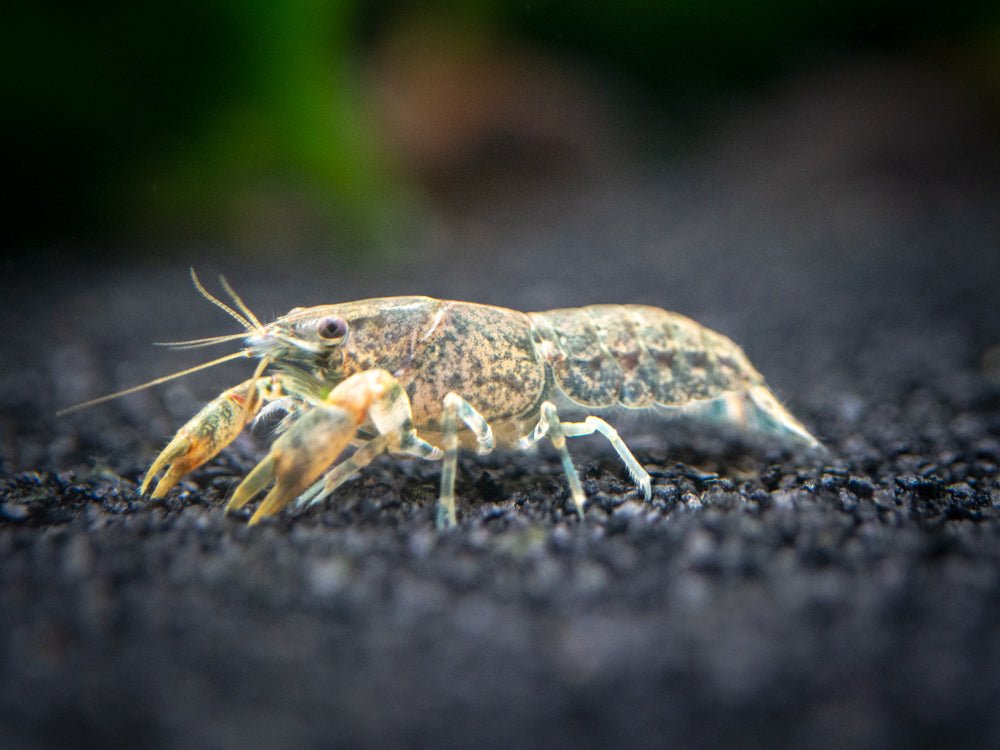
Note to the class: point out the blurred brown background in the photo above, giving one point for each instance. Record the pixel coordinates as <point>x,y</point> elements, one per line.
<point>363,125</point>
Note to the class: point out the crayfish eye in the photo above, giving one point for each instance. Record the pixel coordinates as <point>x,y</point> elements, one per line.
<point>332,328</point>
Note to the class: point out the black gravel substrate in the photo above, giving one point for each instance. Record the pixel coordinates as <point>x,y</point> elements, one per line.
<point>759,599</point>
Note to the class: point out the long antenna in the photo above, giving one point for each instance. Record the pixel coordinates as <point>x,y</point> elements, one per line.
<point>164,379</point>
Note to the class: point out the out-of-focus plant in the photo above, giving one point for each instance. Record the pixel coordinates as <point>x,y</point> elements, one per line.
<point>202,114</point>
<point>247,116</point>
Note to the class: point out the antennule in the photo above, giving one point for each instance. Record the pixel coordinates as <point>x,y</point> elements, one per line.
<point>239,303</point>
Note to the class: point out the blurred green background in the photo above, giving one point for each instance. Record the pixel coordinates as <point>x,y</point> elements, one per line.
<point>340,123</point>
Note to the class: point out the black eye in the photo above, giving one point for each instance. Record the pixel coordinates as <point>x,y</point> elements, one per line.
<point>332,328</point>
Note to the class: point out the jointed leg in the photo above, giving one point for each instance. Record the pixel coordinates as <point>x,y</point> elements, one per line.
<point>558,438</point>
<point>455,408</point>
<point>343,471</point>
<point>557,431</point>
<point>596,424</point>
<point>363,456</point>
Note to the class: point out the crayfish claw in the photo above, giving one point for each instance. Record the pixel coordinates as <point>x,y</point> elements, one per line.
<point>172,457</point>
<point>296,459</point>
<point>252,483</point>
<point>283,492</point>
<point>207,433</point>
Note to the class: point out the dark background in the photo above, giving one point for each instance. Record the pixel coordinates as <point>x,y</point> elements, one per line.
<point>820,184</point>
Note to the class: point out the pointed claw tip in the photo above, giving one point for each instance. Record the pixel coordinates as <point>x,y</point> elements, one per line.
<point>234,504</point>
<point>256,516</point>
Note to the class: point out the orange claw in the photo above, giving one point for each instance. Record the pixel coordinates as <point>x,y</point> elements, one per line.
<point>207,433</point>
<point>297,458</point>
<point>321,434</point>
